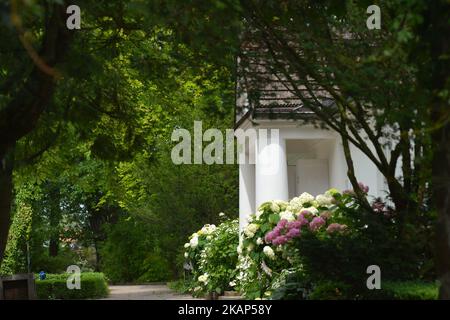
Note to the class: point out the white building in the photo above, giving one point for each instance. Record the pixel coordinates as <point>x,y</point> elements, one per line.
<point>308,158</point>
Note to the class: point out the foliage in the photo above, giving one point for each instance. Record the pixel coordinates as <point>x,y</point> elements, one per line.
<point>182,285</point>
<point>128,252</point>
<point>212,254</point>
<point>329,290</point>
<point>156,268</point>
<point>299,287</point>
<point>15,260</point>
<point>105,142</point>
<point>299,247</point>
<point>41,261</point>
<point>325,52</point>
<point>93,286</point>
<point>408,290</point>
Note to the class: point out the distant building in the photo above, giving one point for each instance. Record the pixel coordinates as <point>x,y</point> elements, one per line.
<point>310,157</point>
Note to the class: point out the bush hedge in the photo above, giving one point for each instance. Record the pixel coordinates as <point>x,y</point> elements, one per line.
<point>407,290</point>
<point>390,290</point>
<point>93,285</point>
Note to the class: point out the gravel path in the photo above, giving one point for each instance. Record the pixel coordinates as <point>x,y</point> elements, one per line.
<point>145,292</point>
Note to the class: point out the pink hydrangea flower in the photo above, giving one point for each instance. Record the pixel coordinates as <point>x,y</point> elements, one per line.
<point>305,214</point>
<point>282,223</point>
<point>303,221</point>
<point>316,223</point>
<point>269,236</point>
<point>293,233</point>
<point>363,187</point>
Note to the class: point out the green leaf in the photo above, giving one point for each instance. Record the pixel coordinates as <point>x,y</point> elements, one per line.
<point>274,218</point>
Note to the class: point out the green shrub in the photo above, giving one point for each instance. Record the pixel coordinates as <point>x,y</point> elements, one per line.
<point>93,285</point>
<point>155,268</point>
<point>131,254</point>
<point>329,290</point>
<point>331,239</point>
<point>219,257</point>
<point>406,290</point>
<point>213,256</point>
<point>181,286</point>
<point>41,261</point>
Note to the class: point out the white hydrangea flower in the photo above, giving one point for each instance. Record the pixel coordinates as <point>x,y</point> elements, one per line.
<point>282,204</point>
<point>313,210</point>
<point>186,255</point>
<point>289,216</point>
<point>274,207</point>
<point>250,219</point>
<point>194,241</point>
<point>251,229</point>
<point>324,200</point>
<point>259,241</point>
<point>208,229</point>
<point>187,245</point>
<point>232,283</point>
<point>305,197</point>
<point>203,278</point>
<point>268,251</point>
<point>221,214</point>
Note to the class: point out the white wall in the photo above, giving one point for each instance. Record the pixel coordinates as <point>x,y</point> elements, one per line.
<point>367,173</point>
<point>246,192</point>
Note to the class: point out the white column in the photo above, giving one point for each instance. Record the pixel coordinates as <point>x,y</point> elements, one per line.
<point>271,168</point>
<point>246,192</point>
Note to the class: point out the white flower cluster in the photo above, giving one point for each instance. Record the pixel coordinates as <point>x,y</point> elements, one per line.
<point>203,278</point>
<point>251,229</point>
<point>324,200</point>
<point>245,263</point>
<point>287,215</point>
<point>268,251</point>
<point>296,204</point>
<point>194,240</point>
<point>207,229</point>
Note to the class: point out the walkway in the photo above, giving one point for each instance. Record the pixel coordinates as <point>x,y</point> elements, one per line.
<point>145,292</point>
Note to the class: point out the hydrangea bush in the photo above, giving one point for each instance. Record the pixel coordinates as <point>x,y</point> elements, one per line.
<point>269,249</point>
<point>306,248</point>
<point>212,254</point>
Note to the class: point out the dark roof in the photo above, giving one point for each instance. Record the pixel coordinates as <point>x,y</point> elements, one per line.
<point>262,92</point>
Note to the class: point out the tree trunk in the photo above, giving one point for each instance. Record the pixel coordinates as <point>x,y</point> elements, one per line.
<point>440,47</point>
<point>6,195</point>
<point>55,219</point>
<point>441,192</point>
<point>20,116</point>
<point>53,247</point>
